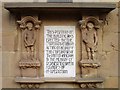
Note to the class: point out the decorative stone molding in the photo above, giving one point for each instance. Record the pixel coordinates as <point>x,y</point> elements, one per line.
<point>83,82</point>
<point>90,82</point>
<point>29,85</point>
<point>29,64</point>
<point>90,85</point>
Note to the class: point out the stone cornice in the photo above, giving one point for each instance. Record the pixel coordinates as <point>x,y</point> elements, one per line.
<point>82,7</point>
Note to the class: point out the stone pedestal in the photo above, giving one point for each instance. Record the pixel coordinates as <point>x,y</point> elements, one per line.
<point>89,68</point>
<point>29,68</point>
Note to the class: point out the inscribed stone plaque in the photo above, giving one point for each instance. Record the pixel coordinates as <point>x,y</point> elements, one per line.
<point>59,51</point>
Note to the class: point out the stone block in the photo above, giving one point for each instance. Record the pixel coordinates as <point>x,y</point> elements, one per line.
<point>109,64</point>
<point>10,64</point>
<point>95,0</point>
<point>17,0</point>
<point>8,41</point>
<point>5,19</point>
<point>29,72</point>
<point>111,24</point>
<point>118,64</point>
<point>110,41</point>
<point>9,31</point>
<point>0,64</point>
<point>1,83</point>
<point>43,85</point>
<point>6,64</point>
<point>89,72</point>
<point>113,65</point>
<point>111,82</point>
<point>9,82</point>
<point>59,85</point>
<point>0,41</point>
<point>118,81</point>
<point>104,69</point>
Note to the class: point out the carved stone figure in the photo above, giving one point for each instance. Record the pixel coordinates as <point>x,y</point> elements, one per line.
<point>90,39</point>
<point>29,38</point>
<point>89,28</point>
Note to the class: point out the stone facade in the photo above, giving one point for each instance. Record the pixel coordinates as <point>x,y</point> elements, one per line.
<point>105,64</point>
<point>73,1</point>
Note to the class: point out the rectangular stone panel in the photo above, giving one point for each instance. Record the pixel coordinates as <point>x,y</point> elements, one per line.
<point>59,51</point>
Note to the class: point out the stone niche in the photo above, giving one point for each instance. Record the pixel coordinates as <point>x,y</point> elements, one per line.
<point>29,62</point>
<point>90,20</point>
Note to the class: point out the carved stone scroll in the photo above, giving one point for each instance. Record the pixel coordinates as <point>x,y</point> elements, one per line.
<point>29,61</point>
<point>89,28</point>
<point>90,85</point>
<point>29,85</point>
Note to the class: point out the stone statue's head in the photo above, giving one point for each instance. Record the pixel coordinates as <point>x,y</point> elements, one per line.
<point>29,25</point>
<point>90,25</point>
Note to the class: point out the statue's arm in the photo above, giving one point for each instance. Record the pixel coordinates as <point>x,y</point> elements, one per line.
<point>84,35</point>
<point>34,38</point>
<point>96,38</point>
<point>25,38</point>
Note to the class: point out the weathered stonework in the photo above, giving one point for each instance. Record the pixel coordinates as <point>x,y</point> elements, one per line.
<point>23,45</point>
<point>29,28</point>
<point>89,29</point>
<point>30,85</point>
<point>91,85</point>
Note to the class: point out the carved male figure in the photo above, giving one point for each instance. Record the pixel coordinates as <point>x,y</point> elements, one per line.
<point>90,39</point>
<point>29,38</point>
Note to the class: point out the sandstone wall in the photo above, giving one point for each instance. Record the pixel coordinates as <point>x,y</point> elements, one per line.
<point>108,56</point>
